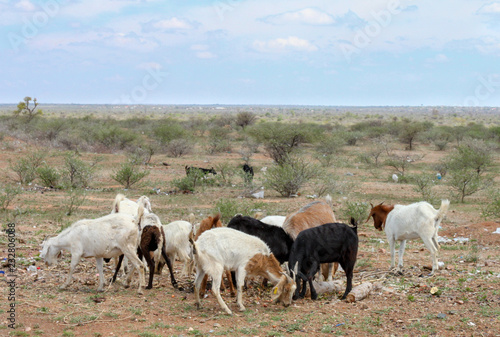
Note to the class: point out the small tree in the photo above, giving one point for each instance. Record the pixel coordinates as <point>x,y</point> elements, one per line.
<point>7,194</point>
<point>356,210</point>
<point>401,163</point>
<point>245,118</point>
<point>26,167</point>
<point>288,178</point>
<point>409,130</point>
<point>23,108</point>
<point>129,175</point>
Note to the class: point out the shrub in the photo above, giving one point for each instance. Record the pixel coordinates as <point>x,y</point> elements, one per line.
<point>77,173</point>
<point>281,139</point>
<point>75,198</point>
<point>179,147</point>
<point>492,209</point>
<point>289,177</point>
<point>228,208</point>
<point>218,140</point>
<point>7,195</point>
<point>169,130</point>
<point>112,136</point>
<point>25,167</point>
<point>184,184</point>
<point>423,185</point>
<point>356,210</point>
<point>328,148</point>
<point>49,176</point>
<point>129,174</point>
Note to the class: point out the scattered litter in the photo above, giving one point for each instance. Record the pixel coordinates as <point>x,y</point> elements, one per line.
<point>497,231</point>
<point>471,324</point>
<point>258,195</point>
<point>442,239</point>
<point>441,316</point>
<point>461,239</point>
<point>340,324</point>
<point>440,264</point>
<point>349,174</point>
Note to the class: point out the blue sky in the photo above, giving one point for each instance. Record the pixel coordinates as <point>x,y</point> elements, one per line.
<point>293,52</point>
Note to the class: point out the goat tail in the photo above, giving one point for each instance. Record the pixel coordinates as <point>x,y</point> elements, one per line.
<point>445,204</point>
<point>116,204</point>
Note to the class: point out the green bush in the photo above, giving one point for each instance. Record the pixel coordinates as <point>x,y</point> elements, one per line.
<point>357,210</point>
<point>49,176</point>
<point>76,172</point>
<point>184,184</point>
<point>423,185</point>
<point>218,140</point>
<point>168,130</point>
<point>228,208</point>
<point>129,174</point>
<point>492,209</point>
<point>114,137</point>
<point>25,167</point>
<point>179,147</point>
<point>7,195</point>
<point>288,178</point>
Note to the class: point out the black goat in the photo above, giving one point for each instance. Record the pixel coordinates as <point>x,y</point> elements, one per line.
<point>275,237</point>
<point>248,172</point>
<point>199,170</point>
<point>332,242</point>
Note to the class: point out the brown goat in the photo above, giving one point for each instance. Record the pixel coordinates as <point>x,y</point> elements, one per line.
<point>314,214</point>
<point>379,214</point>
<point>206,224</point>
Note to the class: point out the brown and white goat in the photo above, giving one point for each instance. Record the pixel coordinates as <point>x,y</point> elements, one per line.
<point>417,220</point>
<point>205,225</point>
<point>314,214</point>
<point>227,248</point>
<point>151,244</point>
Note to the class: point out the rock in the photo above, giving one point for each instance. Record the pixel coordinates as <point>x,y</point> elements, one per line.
<point>441,315</point>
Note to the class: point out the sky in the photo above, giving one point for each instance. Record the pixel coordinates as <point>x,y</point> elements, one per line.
<point>280,52</point>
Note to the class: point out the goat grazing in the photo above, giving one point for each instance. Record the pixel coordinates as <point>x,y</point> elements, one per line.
<point>207,224</point>
<point>177,235</point>
<point>248,171</point>
<point>417,220</point>
<point>106,237</point>
<point>275,237</point>
<point>199,170</point>
<point>314,214</point>
<point>124,205</point>
<point>151,245</point>
<point>226,248</point>
<point>331,242</point>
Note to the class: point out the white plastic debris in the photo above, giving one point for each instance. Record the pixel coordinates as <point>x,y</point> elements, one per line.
<point>461,239</point>
<point>497,231</point>
<point>442,239</point>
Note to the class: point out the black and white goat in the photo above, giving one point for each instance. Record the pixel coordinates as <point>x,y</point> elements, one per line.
<point>332,242</point>
<point>275,237</point>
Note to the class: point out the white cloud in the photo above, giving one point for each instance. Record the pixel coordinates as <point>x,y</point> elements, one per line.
<point>491,8</point>
<point>173,23</point>
<point>25,5</point>
<point>199,47</point>
<point>205,55</point>
<point>149,65</point>
<point>308,16</point>
<point>439,58</point>
<point>292,43</point>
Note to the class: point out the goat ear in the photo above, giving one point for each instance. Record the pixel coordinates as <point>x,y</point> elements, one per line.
<point>371,205</point>
<point>380,203</point>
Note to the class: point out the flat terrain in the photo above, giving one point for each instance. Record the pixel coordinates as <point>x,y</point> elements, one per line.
<point>467,302</point>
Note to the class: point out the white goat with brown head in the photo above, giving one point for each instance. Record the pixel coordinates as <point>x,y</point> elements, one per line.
<point>226,248</point>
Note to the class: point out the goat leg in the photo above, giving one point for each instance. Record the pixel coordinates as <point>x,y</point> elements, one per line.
<point>117,269</point>
<point>169,265</point>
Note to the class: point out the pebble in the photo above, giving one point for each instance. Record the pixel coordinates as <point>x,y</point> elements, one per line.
<point>441,316</point>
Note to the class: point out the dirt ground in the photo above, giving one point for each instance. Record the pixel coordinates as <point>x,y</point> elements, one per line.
<point>467,301</point>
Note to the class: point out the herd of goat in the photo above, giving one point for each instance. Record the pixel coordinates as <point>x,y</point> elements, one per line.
<point>282,250</point>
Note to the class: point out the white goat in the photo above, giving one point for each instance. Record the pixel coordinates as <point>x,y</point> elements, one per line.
<point>417,220</point>
<point>275,220</point>
<point>123,205</point>
<point>177,235</point>
<point>105,237</point>
<point>225,248</point>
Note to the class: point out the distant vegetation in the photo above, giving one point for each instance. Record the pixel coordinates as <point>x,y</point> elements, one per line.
<point>303,146</point>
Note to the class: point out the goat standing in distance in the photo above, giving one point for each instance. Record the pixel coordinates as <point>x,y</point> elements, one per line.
<point>248,172</point>
<point>331,242</point>
<point>417,220</point>
<point>199,170</point>
<point>226,248</point>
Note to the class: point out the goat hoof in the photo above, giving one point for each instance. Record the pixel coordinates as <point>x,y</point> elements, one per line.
<point>149,287</point>
<point>314,297</point>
